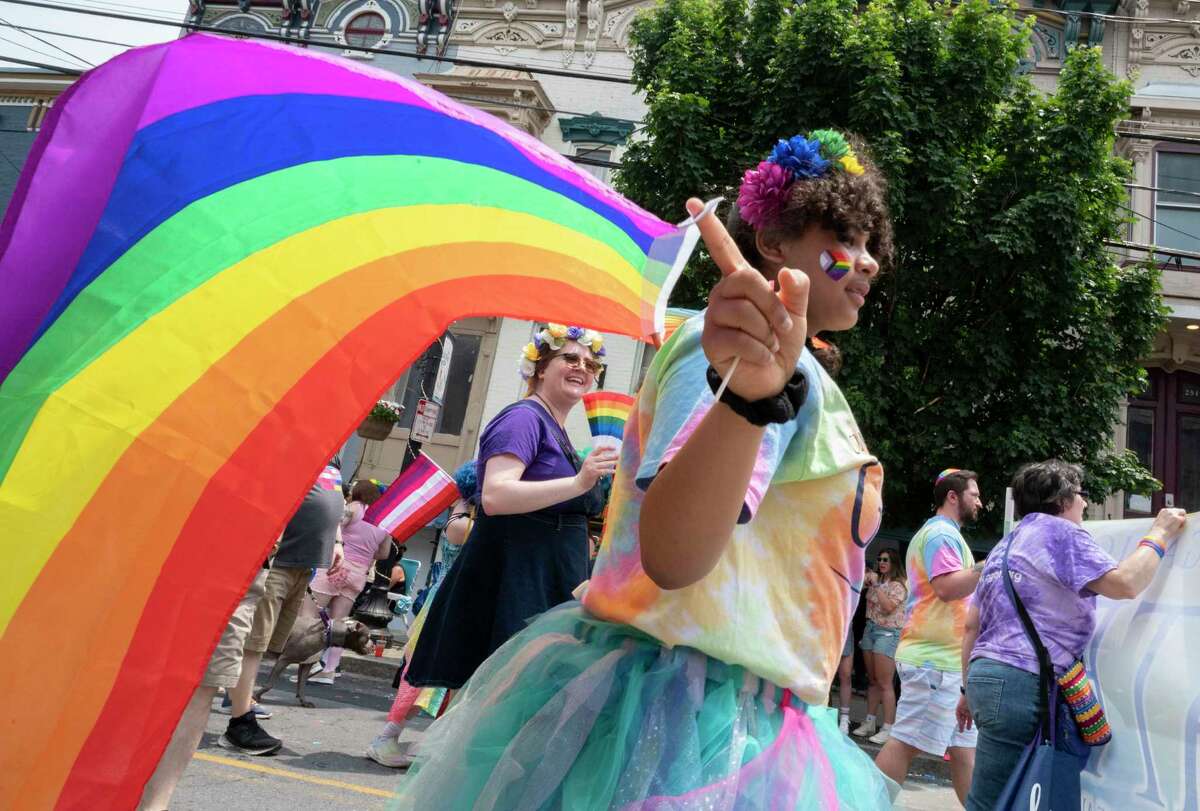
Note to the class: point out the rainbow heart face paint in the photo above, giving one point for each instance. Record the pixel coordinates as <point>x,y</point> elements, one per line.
<point>835,263</point>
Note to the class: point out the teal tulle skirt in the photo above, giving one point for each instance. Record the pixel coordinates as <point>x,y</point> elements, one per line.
<point>577,713</point>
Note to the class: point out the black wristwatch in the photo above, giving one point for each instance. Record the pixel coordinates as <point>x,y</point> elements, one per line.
<point>781,408</point>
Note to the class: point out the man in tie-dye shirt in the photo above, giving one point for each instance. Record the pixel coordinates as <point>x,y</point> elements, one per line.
<point>941,578</point>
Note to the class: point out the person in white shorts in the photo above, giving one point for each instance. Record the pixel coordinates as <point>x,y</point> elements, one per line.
<point>941,578</point>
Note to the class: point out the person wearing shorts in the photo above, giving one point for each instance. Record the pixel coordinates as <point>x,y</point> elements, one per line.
<point>885,593</point>
<point>942,575</point>
<point>311,539</point>
<point>224,669</point>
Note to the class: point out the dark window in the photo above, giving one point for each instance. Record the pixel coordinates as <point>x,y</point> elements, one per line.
<point>1139,438</point>
<point>1188,492</point>
<point>422,375</point>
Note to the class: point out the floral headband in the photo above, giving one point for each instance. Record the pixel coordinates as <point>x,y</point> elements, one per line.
<point>766,189</point>
<point>554,337</point>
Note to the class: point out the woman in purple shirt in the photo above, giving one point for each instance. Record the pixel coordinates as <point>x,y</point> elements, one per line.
<point>528,549</point>
<point>1057,570</point>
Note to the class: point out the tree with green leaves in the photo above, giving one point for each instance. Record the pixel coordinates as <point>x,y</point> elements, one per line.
<point>1003,331</point>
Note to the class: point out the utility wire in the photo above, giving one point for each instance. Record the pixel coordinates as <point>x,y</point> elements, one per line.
<point>1151,249</point>
<point>47,42</point>
<point>500,102</point>
<point>79,37</point>
<point>65,71</point>
<point>1162,190</point>
<point>1159,224</point>
<point>29,48</point>
<point>454,60</point>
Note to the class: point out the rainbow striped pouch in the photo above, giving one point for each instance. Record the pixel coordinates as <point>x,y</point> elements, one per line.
<point>1085,706</point>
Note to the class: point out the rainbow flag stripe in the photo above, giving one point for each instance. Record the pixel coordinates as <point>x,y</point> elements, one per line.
<point>209,245</point>
<point>607,412</point>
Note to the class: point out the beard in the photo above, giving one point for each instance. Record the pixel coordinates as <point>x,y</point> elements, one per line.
<point>967,514</point>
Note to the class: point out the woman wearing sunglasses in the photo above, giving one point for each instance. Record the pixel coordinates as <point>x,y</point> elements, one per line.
<point>528,549</point>
<point>887,590</point>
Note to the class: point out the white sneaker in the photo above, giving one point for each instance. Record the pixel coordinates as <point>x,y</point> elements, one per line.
<point>389,752</point>
<point>865,729</point>
<point>844,724</point>
<point>881,737</point>
<point>324,677</point>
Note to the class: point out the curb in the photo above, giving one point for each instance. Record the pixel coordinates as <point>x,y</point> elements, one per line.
<point>375,667</point>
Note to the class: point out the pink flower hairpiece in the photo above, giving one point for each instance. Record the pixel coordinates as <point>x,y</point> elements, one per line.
<point>767,188</point>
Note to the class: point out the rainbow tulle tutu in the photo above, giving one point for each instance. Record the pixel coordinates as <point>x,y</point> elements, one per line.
<point>577,713</point>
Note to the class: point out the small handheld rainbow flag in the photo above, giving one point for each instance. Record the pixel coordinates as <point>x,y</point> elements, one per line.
<point>607,412</point>
<point>674,319</point>
<point>414,499</point>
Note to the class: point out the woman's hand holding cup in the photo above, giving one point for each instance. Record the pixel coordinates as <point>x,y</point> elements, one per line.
<point>600,462</point>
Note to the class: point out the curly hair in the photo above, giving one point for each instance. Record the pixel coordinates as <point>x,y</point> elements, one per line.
<point>842,202</point>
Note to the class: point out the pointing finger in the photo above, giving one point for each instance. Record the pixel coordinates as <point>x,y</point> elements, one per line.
<point>721,246</point>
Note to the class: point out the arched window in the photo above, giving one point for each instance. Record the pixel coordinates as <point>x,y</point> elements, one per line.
<point>366,30</point>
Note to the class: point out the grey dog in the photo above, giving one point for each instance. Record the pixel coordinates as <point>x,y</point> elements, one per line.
<point>306,643</point>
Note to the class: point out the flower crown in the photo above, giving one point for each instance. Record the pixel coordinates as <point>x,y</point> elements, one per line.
<point>553,337</point>
<point>766,189</point>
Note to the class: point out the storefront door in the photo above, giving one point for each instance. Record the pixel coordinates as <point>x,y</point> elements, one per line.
<point>1164,430</point>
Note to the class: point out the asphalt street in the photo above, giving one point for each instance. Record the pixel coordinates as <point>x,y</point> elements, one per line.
<point>321,765</point>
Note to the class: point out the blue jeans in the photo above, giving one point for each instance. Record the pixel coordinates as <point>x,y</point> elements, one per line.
<point>883,641</point>
<point>1004,703</point>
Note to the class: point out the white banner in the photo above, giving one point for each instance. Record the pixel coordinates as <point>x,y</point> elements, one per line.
<point>1145,657</point>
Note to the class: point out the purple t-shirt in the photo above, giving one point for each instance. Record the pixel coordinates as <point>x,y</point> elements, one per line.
<point>1052,560</point>
<point>529,433</point>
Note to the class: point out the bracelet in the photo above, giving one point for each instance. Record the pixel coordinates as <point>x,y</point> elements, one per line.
<point>781,408</point>
<point>1151,543</point>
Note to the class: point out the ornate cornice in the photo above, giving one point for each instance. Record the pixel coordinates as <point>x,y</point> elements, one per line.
<point>595,128</point>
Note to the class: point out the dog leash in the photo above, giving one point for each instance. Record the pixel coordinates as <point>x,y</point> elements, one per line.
<point>326,620</point>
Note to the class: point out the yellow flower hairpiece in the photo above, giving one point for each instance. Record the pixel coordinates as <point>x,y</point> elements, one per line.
<point>851,164</point>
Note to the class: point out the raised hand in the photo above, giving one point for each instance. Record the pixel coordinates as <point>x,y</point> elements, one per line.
<point>748,319</point>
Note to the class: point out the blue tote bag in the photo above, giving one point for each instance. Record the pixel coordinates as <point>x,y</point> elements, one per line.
<point>1047,776</point>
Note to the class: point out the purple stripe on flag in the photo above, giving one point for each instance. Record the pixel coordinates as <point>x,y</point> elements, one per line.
<point>74,162</point>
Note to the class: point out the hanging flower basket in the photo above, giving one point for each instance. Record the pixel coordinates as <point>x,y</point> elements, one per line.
<point>375,428</point>
<point>378,424</point>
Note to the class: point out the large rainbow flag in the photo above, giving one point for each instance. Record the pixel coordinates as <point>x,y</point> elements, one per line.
<point>218,255</point>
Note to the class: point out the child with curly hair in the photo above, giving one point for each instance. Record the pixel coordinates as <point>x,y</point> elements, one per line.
<point>694,671</point>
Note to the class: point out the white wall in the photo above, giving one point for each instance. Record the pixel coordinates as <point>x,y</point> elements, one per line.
<point>506,385</point>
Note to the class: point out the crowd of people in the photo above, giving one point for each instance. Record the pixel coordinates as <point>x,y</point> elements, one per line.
<point>693,660</point>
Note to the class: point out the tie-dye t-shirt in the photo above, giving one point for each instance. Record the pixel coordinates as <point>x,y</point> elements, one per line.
<point>933,629</point>
<point>782,595</point>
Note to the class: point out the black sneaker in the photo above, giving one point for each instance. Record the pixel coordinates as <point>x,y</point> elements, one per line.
<point>245,735</point>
